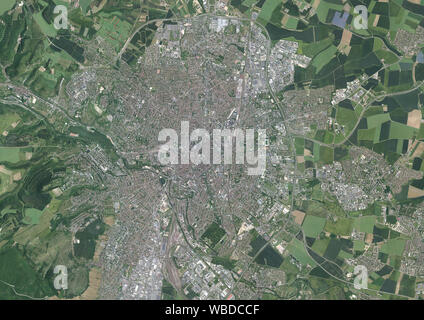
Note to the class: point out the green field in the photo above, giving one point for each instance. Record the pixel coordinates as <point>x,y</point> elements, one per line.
<point>32,216</point>
<point>6,5</point>
<point>297,250</point>
<point>316,152</point>
<point>15,270</point>
<point>30,232</point>
<point>324,7</point>
<point>401,131</point>
<point>84,4</point>
<point>4,183</point>
<point>312,225</point>
<point>326,154</point>
<point>114,30</point>
<point>320,246</point>
<point>345,255</point>
<point>248,3</point>
<point>358,245</point>
<point>393,247</point>
<point>267,9</point>
<point>312,49</point>
<point>342,227</point>
<point>292,23</point>
<point>9,154</point>
<point>299,144</point>
<point>365,224</point>
<point>47,29</point>
<point>377,120</point>
<point>347,118</point>
<point>6,121</point>
<point>366,134</point>
<point>324,57</point>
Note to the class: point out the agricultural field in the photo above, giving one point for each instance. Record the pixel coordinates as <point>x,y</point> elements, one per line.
<point>6,5</point>
<point>267,9</point>
<point>11,155</point>
<point>297,249</point>
<point>365,224</point>
<point>32,216</point>
<point>313,226</point>
<point>342,226</point>
<point>114,29</point>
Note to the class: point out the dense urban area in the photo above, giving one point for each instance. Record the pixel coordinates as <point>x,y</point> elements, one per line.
<point>87,87</point>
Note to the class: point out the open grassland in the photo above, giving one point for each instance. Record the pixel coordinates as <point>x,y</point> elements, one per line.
<point>267,9</point>
<point>15,270</point>
<point>8,121</point>
<point>394,247</point>
<point>47,29</point>
<point>297,250</point>
<point>324,57</point>
<point>27,233</point>
<point>9,154</point>
<point>32,216</point>
<point>342,226</point>
<point>365,224</point>
<point>313,225</point>
<point>6,5</point>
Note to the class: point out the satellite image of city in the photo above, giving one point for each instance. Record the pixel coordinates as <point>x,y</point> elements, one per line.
<point>211,150</point>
